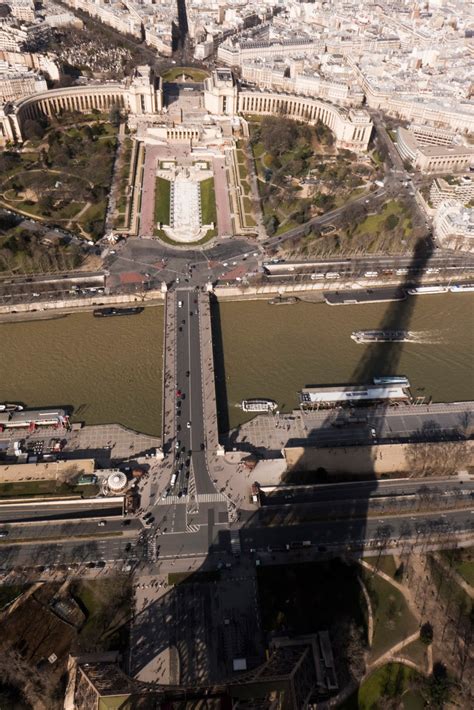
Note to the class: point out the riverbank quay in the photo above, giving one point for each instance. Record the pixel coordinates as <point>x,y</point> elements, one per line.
<point>348,291</point>
<point>42,310</point>
<point>269,435</point>
<point>107,444</point>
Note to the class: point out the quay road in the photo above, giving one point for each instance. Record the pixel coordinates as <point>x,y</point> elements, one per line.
<point>367,491</point>
<point>255,537</point>
<point>450,421</point>
<point>439,265</point>
<point>60,510</point>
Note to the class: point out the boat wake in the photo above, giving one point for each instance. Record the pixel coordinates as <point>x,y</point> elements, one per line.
<point>422,337</point>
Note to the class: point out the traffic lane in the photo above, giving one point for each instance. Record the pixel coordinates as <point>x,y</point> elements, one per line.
<point>360,502</point>
<point>374,488</point>
<point>20,530</point>
<point>348,531</point>
<point>74,551</point>
<point>190,361</point>
<point>55,513</point>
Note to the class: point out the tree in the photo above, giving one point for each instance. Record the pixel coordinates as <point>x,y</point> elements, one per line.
<point>391,221</point>
<point>426,633</point>
<point>278,134</point>
<point>438,686</point>
<point>46,203</point>
<point>114,115</point>
<point>271,224</point>
<point>33,130</point>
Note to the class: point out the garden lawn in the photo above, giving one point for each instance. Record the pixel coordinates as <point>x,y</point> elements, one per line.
<point>392,681</point>
<point>162,200</point>
<point>208,201</point>
<point>189,72</point>
<point>393,620</point>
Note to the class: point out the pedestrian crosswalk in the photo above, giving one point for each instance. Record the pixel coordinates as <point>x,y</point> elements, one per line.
<point>203,498</point>
<point>192,528</point>
<point>211,498</point>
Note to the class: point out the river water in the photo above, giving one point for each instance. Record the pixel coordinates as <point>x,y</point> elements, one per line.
<point>109,369</point>
<point>273,351</point>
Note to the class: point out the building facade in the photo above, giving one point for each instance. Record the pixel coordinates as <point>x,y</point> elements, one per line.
<point>453,226</point>
<point>142,95</point>
<point>352,128</point>
<point>428,155</point>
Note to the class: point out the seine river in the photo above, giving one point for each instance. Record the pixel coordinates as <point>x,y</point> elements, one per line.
<point>273,351</point>
<point>109,369</point>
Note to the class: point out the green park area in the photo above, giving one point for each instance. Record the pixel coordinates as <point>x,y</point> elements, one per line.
<point>300,172</point>
<point>462,562</point>
<point>208,201</point>
<point>123,179</point>
<point>391,683</point>
<point>62,175</point>
<point>32,489</point>
<point>162,201</point>
<point>393,620</point>
<point>189,73</point>
<point>244,182</point>
<point>388,231</point>
<point>106,604</point>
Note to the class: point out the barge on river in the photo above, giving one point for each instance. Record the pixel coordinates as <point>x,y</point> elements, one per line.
<point>108,312</point>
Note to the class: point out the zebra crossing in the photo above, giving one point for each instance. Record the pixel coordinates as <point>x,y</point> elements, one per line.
<point>192,528</point>
<point>202,498</point>
<point>212,498</point>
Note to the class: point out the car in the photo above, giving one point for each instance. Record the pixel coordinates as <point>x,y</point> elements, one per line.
<point>373,433</point>
<point>4,532</point>
<point>180,304</point>
<point>183,322</point>
<point>187,373</point>
<point>178,427</point>
<point>128,547</point>
<point>125,523</point>
<point>180,328</point>
<point>188,425</point>
<point>180,494</point>
<point>177,445</point>
<point>102,523</point>
<point>178,393</point>
<point>190,313</point>
<point>185,491</point>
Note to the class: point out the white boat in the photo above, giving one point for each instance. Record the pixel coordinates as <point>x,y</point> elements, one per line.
<point>461,288</point>
<point>10,407</point>
<point>392,380</point>
<point>258,405</point>
<point>426,289</point>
